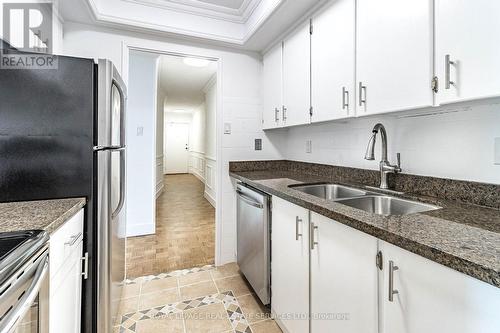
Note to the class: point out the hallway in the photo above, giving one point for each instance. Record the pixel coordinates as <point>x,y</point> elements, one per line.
<point>185,231</point>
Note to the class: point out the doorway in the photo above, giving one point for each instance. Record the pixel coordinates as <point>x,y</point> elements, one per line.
<point>182,233</point>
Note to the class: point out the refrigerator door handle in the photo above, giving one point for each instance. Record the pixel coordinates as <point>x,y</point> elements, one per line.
<point>121,200</point>
<point>101,148</point>
<point>121,91</point>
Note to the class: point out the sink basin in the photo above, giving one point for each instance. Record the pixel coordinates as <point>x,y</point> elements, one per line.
<point>330,191</point>
<point>385,205</point>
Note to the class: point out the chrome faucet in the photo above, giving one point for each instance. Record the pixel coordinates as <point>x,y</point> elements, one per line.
<point>385,166</point>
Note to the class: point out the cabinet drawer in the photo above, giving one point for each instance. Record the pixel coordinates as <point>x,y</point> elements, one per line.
<point>64,241</point>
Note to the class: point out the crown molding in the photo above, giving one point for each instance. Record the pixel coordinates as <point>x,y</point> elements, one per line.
<point>253,6</point>
<point>195,7</point>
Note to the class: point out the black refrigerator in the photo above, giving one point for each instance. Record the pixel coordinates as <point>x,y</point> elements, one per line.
<point>62,136</point>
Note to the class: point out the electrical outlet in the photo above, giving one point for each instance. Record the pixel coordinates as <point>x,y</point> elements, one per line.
<point>258,144</point>
<point>497,151</point>
<point>309,146</point>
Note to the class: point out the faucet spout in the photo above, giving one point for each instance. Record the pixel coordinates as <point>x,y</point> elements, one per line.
<point>385,166</point>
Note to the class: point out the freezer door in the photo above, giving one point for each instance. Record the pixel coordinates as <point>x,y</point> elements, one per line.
<point>112,96</point>
<point>111,233</point>
<point>117,229</point>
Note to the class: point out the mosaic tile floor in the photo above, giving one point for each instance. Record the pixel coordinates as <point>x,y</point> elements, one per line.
<point>207,299</point>
<point>185,231</point>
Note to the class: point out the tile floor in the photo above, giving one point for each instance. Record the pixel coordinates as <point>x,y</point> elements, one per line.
<point>198,300</point>
<point>185,231</point>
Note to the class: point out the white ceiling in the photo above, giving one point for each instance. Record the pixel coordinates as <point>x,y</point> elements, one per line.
<point>183,84</point>
<point>243,24</point>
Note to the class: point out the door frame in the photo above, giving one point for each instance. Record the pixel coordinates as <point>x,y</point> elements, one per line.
<point>180,50</point>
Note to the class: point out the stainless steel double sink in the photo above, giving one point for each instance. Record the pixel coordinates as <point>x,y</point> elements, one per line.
<point>371,202</point>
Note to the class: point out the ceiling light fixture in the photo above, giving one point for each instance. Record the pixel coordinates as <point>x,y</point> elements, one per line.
<point>196,62</point>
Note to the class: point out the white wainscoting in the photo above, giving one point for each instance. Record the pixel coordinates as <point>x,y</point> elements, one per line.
<point>159,176</point>
<point>210,180</point>
<point>197,165</point>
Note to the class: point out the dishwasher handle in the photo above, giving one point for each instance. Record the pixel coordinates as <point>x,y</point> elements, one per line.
<point>249,200</point>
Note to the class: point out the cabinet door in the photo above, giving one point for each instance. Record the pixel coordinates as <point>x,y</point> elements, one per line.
<point>467,31</point>
<point>65,301</point>
<point>332,62</point>
<point>343,279</point>
<point>290,266</point>
<point>394,55</point>
<point>296,77</point>
<point>272,83</point>
<point>433,298</point>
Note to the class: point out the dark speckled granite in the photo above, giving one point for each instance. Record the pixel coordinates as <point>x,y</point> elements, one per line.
<point>45,215</point>
<point>464,237</point>
<point>454,190</point>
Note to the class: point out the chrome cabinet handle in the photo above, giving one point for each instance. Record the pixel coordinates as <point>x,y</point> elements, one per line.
<point>345,98</point>
<point>73,239</point>
<point>311,232</point>
<point>85,261</point>
<point>297,234</point>
<point>276,114</point>
<point>392,292</point>
<point>284,113</point>
<point>362,91</point>
<point>447,67</point>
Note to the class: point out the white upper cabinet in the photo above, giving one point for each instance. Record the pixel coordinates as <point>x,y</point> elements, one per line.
<point>272,84</point>
<point>343,278</point>
<point>296,77</point>
<point>467,31</point>
<point>333,61</point>
<point>394,55</point>
<point>429,297</point>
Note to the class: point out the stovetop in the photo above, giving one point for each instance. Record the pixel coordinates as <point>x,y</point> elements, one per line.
<point>16,248</point>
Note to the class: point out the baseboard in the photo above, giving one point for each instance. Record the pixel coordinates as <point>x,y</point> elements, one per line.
<point>159,189</point>
<point>140,230</point>
<point>200,177</point>
<point>209,198</point>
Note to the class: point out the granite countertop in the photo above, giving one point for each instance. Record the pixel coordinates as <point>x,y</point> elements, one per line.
<point>464,237</point>
<point>45,215</point>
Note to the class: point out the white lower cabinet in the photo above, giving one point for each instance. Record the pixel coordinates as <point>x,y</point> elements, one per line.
<point>343,278</point>
<point>65,290</point>
<point>432,298</point>
<point>290,266</point>
<point>330,270</point>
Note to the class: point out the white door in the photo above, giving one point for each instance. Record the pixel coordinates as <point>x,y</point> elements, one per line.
<point>467,31</point>
<point>296,77</point>
<point>272,83</point>
<point>176,148</point>
<point>332,62</point>
<point>433,298</point>
<point>343,278</point>
<point>394,55</point>
<point>290,266</point>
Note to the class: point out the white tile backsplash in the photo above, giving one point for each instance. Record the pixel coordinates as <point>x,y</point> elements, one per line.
<point>458,144</point>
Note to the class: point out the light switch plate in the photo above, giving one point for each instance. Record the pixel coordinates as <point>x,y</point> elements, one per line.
<point>309,146</point>
<point>497,151</point>
<point>140,131</point>
<point>227,128</point>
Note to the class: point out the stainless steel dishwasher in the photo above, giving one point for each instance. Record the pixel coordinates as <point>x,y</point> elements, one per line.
<point>253,250</point>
